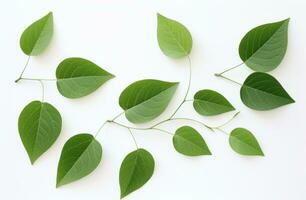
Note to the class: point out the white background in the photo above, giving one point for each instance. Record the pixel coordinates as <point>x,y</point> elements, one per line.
<point>120,36</point>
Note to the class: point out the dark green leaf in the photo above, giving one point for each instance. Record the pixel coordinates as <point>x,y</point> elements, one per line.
<point>145,100</point>
<point>35,39</point>
<point>189,142</point>
<point>263,48</point>
<point>174,38</point>
<point>80,156</point>
<point>136,169</point>
<point>78,77</point>
<point>243,142</point>
<point>39,126</point>
<point>261,91</point>
<point>209,102</point>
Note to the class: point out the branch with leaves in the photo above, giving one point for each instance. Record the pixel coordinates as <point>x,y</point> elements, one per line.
<point>40,123</point>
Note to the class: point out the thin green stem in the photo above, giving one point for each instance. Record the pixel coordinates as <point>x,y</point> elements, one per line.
<point>117,116</point>
<point>227,122</point>
<point>23,70</point>
<point>196,121</point>
<point>222,131</point>
<point>100,128</point>
<point>37,79</point>
<point>219,75</point>
<point>134,139</point>
<point>227,70</point>
<point>164,131</point>
<point>187,91</point>
<point>43,91</point>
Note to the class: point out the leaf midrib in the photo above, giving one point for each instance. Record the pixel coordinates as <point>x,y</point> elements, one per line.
<point>80,77</point>
<point>221,105</point>
<point>190,142</point>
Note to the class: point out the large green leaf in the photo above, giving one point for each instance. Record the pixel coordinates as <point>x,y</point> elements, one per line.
<point>189,142</point>
<point>136,169</point>
<point>78,77</point>
<point>209,102</point>
<point>39,125</point>
<point>261,91</point>
<point>243,142</point>
<point>35,39</point>
<point>81,155</point>
<point>263,48</point>
<point>145,100</point>
<point>174,38</point>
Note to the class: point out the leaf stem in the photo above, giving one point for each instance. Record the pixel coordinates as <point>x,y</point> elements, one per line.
<point>23,70</point>
<point>227,70</point>
<point>226,123</point>
<point>37,79</point>
<point>187,91</point>
<point>220,75</point>
<point>43,91</point>
<point>134,139</point>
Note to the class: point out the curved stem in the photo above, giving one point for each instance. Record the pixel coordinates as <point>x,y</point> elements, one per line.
<point>226,123</point>
<point>37,79</point>
<point>24,68</point>
<point>133,138</point>
<point>187,91</point>
<point>43,91</point>
<point>219,74</point>
<point>222,131</point>
<point>164,131</point>
<point>196,121</point>
<point>100,128</point>
<point>117,116</point>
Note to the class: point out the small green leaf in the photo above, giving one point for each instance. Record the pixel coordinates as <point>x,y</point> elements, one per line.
<point>261,91</point>
<point>80,156</point>
<point>78,77</point>
<point>35,39</point>
<point>174,38</point>
<point>189,142</point>
<point>209,103</point>
<point>263,48</point>
<point>136,169</point>
<point>145,100</point>
<point>243,142</point>
<point>39,126</point>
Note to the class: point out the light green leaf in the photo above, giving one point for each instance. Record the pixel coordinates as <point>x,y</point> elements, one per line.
<point>243,142</point>
<point>78,77</point>
<point>80,156</point>
<point>39,126</point>
<point>145,100</point>
<point>189,142</point>
<point>136,169</point>
<point>264,47</point>
<point>174,38</point>
<point>35,39</point>
<point>209,103</point>
<point>261,91</point>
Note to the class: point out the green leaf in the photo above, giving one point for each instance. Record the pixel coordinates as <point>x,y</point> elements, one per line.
<point>78,77</point>
<point>243,142</point>
<point>80,156</point>
<point>261,91</point>
<point>263,48</point>
<point>174,38</point>
<point>35,39</point>
<point>189,142</point>
<point>145,100</point>
<point>136,169</point>
<point>39,126</point>
<point>209,103</point>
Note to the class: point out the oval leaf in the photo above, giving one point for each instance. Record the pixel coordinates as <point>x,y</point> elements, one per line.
<point>35,39</point>
<point>243,142</point>
<point>78,77</point>
<point>174,38</point>
<point>261,91</point>
<point>263,48</point>
<point>145,100</point>
<point>80,156</point>
<point>189,142</point>
<point>136,169</point>
<point>39,125</point>
<point>209,103</point>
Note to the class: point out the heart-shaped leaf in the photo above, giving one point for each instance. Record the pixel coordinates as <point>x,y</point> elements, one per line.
<point>209,103</point>
<point>35,39</point>
<point>78,77</point>
<point>263,48</point>
<point>189,142</point>
<point>243,142</point>
<point>136,169</point>
<point>39,125</point>
<point>174,38</point>
<point>261,91</point>
<point>80,156</point>
<point>145,100</point>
